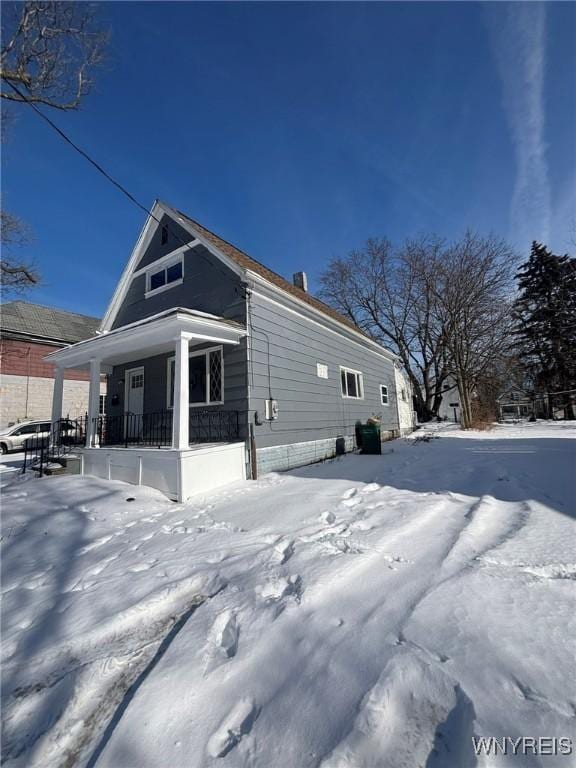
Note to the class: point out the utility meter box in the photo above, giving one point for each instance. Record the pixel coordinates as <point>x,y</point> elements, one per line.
<point>271,409</point>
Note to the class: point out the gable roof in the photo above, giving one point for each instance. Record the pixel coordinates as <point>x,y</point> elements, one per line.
<point>247,262</point>
<point>235,259</point>
<point>22,318</point>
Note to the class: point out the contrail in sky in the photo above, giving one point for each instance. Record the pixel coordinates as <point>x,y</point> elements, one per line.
<point>518,36</point>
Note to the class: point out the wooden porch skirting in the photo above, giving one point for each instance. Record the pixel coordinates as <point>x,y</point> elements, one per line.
<point>178,474</point>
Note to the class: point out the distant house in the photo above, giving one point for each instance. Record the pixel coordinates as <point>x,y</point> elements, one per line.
<point>450,406</point>
<point>28,332</point>
<point>516,404</point>
<point>220,369</point>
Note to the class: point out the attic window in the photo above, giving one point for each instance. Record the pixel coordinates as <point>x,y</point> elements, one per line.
<point>158,280</point>
<point>164,235</point>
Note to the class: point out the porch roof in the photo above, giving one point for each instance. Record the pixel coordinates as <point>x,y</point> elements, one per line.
<point>151,336</point>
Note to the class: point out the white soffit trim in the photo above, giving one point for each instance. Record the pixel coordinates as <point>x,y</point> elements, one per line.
<point>339,328</point>
<point>143,336</point>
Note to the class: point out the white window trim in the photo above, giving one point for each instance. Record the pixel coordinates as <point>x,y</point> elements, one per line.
<point>168,257</point>
<point>360,381</point>
<point>206,353</point>
<point>387,403</point>
<point>154,269</point>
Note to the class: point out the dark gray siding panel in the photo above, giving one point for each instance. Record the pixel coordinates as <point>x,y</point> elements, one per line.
<point>155,383</point>
<point>177,237</point>
<point>208,286</point>
<point>284,351</point>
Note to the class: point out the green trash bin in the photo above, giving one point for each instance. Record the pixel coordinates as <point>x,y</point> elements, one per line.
<point>370,438</point>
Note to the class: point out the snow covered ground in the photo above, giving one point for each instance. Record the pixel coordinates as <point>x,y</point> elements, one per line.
<point>370,611</point>
<point>11,462</point>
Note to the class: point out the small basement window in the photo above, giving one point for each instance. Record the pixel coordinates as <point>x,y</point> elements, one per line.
<point>383,394</point>
<point>161,279</point>
<point>351,383</point>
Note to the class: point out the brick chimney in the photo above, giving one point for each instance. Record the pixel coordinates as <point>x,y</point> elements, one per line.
<point>300,280</point>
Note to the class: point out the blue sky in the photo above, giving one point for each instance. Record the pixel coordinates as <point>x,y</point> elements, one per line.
<point>298,130</point>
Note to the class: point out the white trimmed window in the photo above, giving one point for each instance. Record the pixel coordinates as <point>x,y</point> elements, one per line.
<point>351,383</point>
<point>383,394</point>
<point>205,378</point>
<point>169,275</point>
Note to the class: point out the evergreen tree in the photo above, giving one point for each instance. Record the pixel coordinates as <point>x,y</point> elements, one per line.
<point>545,314</point>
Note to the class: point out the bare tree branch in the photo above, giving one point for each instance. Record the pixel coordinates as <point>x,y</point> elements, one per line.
<point>15,276</point>
<point>50,50</point>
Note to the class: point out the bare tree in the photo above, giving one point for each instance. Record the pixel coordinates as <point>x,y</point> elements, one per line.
<point>443,308</point>
<point>49,52</point>
<point>15,275</point>
<point>388,294</point>
<point>472,286</point>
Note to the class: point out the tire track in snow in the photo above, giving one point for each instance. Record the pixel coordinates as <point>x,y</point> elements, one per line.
<point>486,527</point>
<point>409,729</point>
<point>482,527</point>
<point>127,691</point>
<point>111,679</point>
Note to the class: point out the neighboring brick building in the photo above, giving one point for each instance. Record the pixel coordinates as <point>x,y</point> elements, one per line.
<point>28,332</point>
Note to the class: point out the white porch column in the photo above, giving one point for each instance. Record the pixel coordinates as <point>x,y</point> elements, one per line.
<point>93,402</point>
<point>57,394</point>
<point>181,413</point>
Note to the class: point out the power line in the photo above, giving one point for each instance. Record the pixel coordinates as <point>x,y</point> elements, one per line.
<point>78,149</point>
<point>99,168</point>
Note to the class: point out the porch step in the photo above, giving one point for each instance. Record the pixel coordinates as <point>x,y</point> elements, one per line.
<point>55,470</point>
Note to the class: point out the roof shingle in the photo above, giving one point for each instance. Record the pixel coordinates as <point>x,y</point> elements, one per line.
<point>247,262</point>
<point>27,319</point>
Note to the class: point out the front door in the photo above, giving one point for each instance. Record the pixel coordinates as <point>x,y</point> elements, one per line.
<point>134,402</point>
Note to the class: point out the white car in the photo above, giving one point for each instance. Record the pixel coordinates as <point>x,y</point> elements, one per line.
<point>13,438</point>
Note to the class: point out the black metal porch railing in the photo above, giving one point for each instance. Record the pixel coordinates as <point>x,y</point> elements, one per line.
<point>155,429</point>
<point>42,449</point>
<point>128,429</point>
<point>213,426</point>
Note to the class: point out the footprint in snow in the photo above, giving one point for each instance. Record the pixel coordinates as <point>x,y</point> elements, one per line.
<point>275,589</point>
<point>284,550</point>
<point>99,567</point>
<point>142,566</point>
<point>349,493</point>
<point>371,488</point>
<point>168,529</point>
<point>225,632</point>
<point>236,725</point>
<point>95,544</point>
<point>328,517</point>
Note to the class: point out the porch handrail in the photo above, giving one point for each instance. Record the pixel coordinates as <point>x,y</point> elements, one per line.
<point>154,429</point>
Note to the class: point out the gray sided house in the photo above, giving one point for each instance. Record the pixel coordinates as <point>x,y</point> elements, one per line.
<point>219,369</point>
